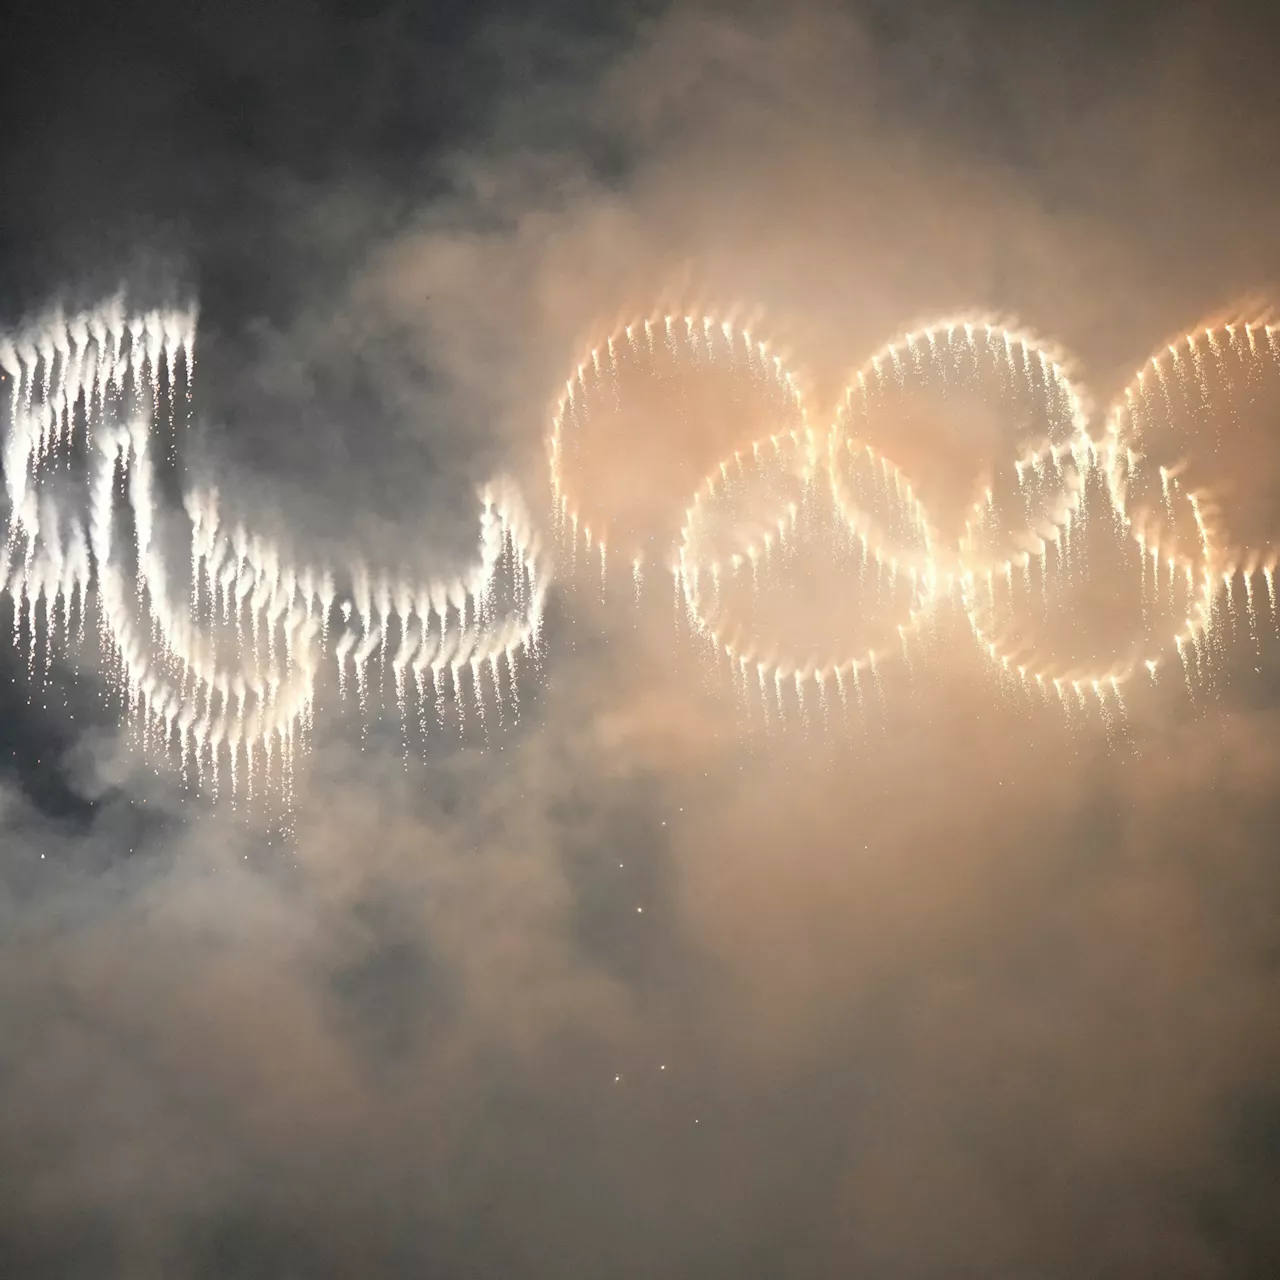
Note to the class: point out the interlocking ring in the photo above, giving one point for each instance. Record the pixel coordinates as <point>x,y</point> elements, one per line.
<point>1070,513</point>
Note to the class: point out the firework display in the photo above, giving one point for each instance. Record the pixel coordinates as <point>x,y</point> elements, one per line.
<point>1083,550</point>
<point>216,655</point>
<point>963,469</point>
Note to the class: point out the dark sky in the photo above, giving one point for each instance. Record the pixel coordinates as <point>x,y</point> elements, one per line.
<point>973,990</point>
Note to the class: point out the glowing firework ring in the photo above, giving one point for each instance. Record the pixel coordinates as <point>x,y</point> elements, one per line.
<point>977,593</point>
<point>761,661</point>
<point>1017,355</point>
<point>703,337</point>
<point>1181,357</point>
<point>909,550</point>
<point>1115,466</point>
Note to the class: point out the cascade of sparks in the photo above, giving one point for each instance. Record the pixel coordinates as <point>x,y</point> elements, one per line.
<point>1082,561</point>
<point>748,572</point>
<point>1024,381</point>
<point>1085,558</point>
<point>1037,613</point>
<point>679,383</point>
<point>1200,414</point>
<point>1032,543</point>
<point>1027,501</point>
<point>217,659</point>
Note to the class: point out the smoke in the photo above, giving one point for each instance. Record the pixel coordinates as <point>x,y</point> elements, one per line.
<point>962,990</point>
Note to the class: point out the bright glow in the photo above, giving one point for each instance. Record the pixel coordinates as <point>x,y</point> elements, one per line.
<point>217,659</point>
<point>802,558</point>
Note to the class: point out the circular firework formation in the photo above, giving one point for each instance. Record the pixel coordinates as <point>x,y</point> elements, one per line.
<point>1078,559</point>
<point>1050,566</point>
<point>648,411</point>
<point>1201,414</point>
<point>790,583</point>
<point>964,400</point>
<point>1098,597</point>
<point>962,464</point>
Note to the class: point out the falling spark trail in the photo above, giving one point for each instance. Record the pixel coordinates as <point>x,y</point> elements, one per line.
<point>226,677</point>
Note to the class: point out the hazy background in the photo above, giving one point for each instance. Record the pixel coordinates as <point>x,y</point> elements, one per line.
<point>967,992</point>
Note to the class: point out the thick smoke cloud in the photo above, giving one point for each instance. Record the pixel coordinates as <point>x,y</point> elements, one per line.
<point>970,991</point>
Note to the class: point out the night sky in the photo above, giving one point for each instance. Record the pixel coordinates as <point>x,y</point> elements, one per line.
<point>629,988</point>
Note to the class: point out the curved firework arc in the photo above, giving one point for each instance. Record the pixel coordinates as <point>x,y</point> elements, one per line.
<point>1027,506</point>
<point>1030,380</point>
<point>759,553</point>
<point>220,658</point>
<point>1193,495</point>
<point>1200,413</point>
<point>1020,609</point>
<point>1203,382</point>
<point>881,508</point>
<point>692,365</point>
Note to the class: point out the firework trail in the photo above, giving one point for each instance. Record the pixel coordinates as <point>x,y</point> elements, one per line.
<point>1091,603</point>
<point>1080,556</point>
<point>967,406</point>
<point>804,564</point>
<point>1201,414</point>
<point>217,655</point>
<point>647,411</point>
<point>1069,580</point>
<point>962,469</point>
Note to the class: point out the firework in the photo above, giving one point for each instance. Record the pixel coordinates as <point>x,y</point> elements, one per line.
<point>962,469</point>
<point>217,658</point>
<point>804,565</point>
<point>1200,413</point>
<point>647,411</point>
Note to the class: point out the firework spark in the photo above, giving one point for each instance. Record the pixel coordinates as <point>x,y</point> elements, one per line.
<point>217,659</point>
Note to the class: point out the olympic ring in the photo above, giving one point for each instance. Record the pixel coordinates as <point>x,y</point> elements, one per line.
<point>1025,542</point>
<point>231,671</point>
<point>740,380</point>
